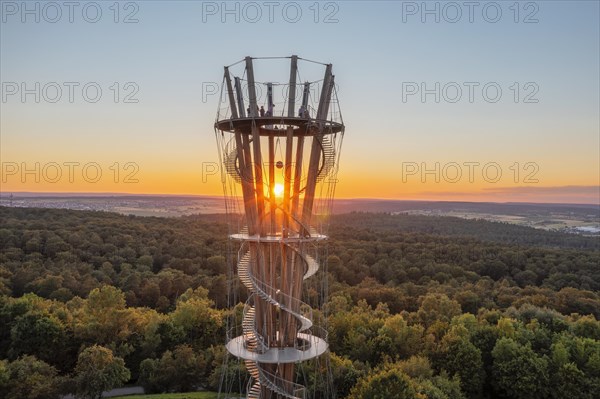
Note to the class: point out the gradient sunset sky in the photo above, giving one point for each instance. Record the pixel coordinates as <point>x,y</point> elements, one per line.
<point>544,137</point>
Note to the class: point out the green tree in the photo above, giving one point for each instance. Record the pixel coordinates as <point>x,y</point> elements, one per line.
<point>416,367</point>
<point>587,327</point>
<point>181,370</point>
<point>570,382</point>
<point>98,370</point>
<point>344,372</point>
<point>354,333</point>
<point>399,340</point>
<point>518,372</point>
<point>437,307</point>
<point>150,377</point>
<point>439,387</point>
<point>104,319</point>
<point>201,323</point>
<point>40,335</point>
<point>216,264</point>
<point>388,383</point>
<point>4,374</point>
<point>225,369</point>
<point>28,377</point>
<point>458,356</point>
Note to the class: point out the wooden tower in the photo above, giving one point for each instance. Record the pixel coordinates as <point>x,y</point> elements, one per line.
<point>279,146</point>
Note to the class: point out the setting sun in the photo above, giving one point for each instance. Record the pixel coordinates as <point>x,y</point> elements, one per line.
<point>278,190</point>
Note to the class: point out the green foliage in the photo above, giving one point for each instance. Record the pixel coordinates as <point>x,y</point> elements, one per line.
<point>354,333</point>
<point>450,387</point>
<point>436,308</point>
<point>200,322</point>
<point>570,382</point>
<point>458,356</point>
<point>223,368</point>
<point>179,371</point>
<point>587,327</point>
<point>440,387</point>
<point>345,374</point>
<point>416,367</point>
<point>98,370</point>
<point>398,338</point>
<point>383,384</point>
<point>518,372</point>
<point>28,377</point>
<point>4,374</point>
<point>152,291</point>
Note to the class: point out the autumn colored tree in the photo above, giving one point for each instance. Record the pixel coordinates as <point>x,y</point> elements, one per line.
<point>98,370</point>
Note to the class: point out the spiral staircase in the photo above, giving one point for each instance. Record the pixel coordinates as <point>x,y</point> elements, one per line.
<point>279,247</point>
<point>253,348</point>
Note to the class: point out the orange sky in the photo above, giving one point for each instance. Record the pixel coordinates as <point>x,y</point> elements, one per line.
<point>547,150</point>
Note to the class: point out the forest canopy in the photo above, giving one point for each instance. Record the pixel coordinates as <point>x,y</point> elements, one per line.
<point>433,307</point>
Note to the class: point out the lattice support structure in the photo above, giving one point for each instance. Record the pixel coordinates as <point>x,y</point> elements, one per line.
<point>279,146</point>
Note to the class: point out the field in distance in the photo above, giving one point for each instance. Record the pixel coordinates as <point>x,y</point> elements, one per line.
<point>573,218</point>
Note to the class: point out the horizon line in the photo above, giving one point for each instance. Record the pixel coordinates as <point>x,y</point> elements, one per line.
<point>66,194</point>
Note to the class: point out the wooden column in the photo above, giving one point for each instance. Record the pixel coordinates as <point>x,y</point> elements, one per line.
<point>305,95</point>
<point>244,160</point>
<point>297,177</point>
<point>258,164</point>
<point>272,199</point>
<point>232,106</point>
<point>316,148</point>
<point>289,142</point>
<point>258,180</point>
<point>240,97</point>
<point>292,88</point>
<point>251,88</point>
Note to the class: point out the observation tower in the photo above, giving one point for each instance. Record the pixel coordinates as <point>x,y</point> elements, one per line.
<point>279,146</point>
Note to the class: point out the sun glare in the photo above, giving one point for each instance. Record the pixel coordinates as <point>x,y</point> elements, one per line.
<point>278,190</point>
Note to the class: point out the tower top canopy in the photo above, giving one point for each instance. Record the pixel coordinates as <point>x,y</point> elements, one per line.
<point>291,88</point>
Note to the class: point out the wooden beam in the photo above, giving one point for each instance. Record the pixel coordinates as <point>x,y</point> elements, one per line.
<point>272,199</point>
<point>292,88</point>
<point>270,103</point>
<point>258,180</point>
<point>232,106</point>
<point>316,148</point>
<point>311,180</point>
<point>305,95</point>
<point>325,94</point>
<point>251,88</point>
<point>247,184</point>
<point>240,97</point>
<point>297,177</point>
<point>289,142</point>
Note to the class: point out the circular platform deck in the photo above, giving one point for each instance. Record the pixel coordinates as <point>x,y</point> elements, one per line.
<point>302,126</point>
<point>266,239</point>
<point>317,347</point>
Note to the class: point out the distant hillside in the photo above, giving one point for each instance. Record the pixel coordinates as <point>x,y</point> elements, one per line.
<point>452,226</point>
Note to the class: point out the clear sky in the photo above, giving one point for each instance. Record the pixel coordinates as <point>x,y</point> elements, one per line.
<point>541,131</point>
